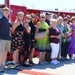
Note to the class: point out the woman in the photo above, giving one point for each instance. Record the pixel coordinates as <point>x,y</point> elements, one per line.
<point>27,30</point>
<point>60,28</point>
<point>71,49</point>
<point>54,35</point>
<point>65,39</point>
<point>32,38</point>
<point>17,37</point>
<point>42,44</point>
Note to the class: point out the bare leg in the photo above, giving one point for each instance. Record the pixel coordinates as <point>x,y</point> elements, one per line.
<point>31,54</point>
<point>43,56</point>
<point>1,53</point>
<point>40,57</point>
<point>59,55</point>
<point>15,56</point>
<point>4,56</point>
<point>53,59</point>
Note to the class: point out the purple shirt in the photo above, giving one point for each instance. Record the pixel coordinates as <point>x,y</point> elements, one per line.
<point>73,30</point>
<point>54,32</point>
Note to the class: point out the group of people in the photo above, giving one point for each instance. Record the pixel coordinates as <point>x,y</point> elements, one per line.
<point>62,39</point>
<point>19,37</point>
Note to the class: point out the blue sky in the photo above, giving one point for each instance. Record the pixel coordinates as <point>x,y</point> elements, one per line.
<point>46,4</point>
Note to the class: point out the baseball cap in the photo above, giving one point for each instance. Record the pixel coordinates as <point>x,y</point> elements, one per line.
<point>47,13</point>
<point>6,8</point>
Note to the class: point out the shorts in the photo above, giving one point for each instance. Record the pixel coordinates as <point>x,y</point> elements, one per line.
<point>5,45</point>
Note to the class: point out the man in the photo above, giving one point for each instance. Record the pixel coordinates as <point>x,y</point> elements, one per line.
<point>48,18</point>
<point>5,39</point>
<point>55,16</point>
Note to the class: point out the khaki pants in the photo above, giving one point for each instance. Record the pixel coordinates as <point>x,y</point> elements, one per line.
<point>5,45</point>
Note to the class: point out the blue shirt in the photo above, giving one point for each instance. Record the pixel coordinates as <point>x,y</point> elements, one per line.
<point>60,28</point>
<point>5,28</point>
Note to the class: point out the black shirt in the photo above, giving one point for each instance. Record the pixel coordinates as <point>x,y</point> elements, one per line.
<point>5,28</point>
<point>20,28</point>
<point>33,29</point>
<point>48,22</point>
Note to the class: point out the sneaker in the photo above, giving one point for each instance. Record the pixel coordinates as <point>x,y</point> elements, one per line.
<point>15,65</point>
<point>53,63</point>
<point>41,63</point>
<point>72,58</point>
<point>57,61</point>
<point>1,69</point>
<point>62,59</point>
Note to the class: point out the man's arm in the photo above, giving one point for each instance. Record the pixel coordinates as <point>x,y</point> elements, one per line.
<point>0,21</point>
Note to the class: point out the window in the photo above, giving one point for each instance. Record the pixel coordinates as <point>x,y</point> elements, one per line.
<point>0,12</point>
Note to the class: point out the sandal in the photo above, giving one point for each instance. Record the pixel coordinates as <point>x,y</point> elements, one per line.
<point>27,65</point>
<point>32,63</point>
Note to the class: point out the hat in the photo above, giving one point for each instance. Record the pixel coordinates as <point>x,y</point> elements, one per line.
<point>6,8</point>
<point>65,19</point>
<point>47,13</point>
<point>73,17</point>
<point>68,16</point>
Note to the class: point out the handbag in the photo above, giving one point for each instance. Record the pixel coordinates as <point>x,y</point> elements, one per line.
<point>40,35</point>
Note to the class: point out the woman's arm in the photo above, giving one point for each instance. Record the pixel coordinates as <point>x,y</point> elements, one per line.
<point>16,24</point>
<point>51,32</point>
<point>28,29</point>
<point>53,36</point>
<point>37,27</point>
<point>68,35</point>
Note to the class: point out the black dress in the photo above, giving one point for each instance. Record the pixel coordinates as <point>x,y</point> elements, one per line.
<point>27,44</point>
<point>33,29</point>
<point>26,39</point>
<point>17,38</point>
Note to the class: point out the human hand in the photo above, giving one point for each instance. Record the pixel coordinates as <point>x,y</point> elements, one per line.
<point>58,37</point>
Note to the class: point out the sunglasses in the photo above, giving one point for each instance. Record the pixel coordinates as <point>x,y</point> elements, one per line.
<point>42,17</point>
<point>28,18</point>
<point>33,16</point>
